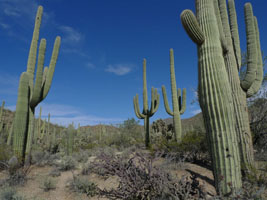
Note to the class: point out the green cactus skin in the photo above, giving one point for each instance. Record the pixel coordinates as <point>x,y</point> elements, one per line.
<point>70,139</point>
<point>21,117</point>
<point>10,135</point>
<point>48,134</point>
<point>215,97</point>
<point>37,134</point>
<point>178,104</point>
<point>147,113</point>
<point>43,130</point>
<point>1,116</point>
<point>254,75</point>
<point>37,91</point>
<point>53,139</point>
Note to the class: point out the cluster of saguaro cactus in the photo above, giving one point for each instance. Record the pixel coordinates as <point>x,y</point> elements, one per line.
<point>178,103</point>
<point>30,94</point>
<point>221,95</point>
<point>147,113</point>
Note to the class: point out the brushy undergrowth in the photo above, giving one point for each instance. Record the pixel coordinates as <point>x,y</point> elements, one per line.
<point>9,193</point>
<point>140,178</point>
<point>48,184</point>
<point>83,185</point>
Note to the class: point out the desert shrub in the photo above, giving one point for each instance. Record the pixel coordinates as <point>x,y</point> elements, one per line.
<point>55,172</point>
<point>192,148</point>
<point>257,176</point>
<point>139,178</point>
<point>18,176</point>
<point>5,154</point>
<point>42,158</point>
<point>66,163</point>
<point>48,184</point>
<point>81,156</point>
<point>83,185</point>
<point>9,194</point>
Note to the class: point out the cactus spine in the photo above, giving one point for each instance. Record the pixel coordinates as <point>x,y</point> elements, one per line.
<point>215,95</point>
<point>33,93</point>
<point>2,116</point>
<point>147,113</point>
<point>178,104</point>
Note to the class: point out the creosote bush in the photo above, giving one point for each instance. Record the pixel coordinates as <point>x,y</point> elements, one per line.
<point>83,185</point>
<point>48,184</point>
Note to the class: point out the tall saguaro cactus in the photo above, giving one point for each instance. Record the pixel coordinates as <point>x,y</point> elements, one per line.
<point>215,96</point>
<point>178,103</point>
<point>254,75</point>
<point>32,93</point>
<point>147,113</point>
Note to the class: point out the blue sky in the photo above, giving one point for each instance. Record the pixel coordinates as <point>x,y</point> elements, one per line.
<point>99,69</point>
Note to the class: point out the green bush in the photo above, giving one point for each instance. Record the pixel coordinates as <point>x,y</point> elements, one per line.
<point>48,184</point>
<point>9,194</point>
<point>83,185</point>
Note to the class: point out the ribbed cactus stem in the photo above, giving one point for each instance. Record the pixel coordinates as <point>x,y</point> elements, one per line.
<point>146,114</point>
<point>38,90</point>
<point>251,48</point>
<point>2,116</point>
<point>10,135</point>
<point>21,117</point>
<point>215,99</point>
<point>70,139</point>
<point>177,102</point>
<point>39,123</point>
<point>254,74</point>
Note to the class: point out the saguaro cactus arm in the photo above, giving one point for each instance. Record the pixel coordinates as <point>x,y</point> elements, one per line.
<point>154,101</point>
<point>166,102</point>
<point>192,27</point>
<point>234,31</point>
<point>182,101</point>
<point>254,88</point>
<point>136,108</point>
<point>51,70</point>
<point>251,48</point>
<point>39,75</point>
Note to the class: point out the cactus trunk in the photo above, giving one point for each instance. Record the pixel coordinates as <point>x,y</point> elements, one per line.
<point>215,96</point>
<point>178,104</point>
<point>146,114</point>
<point>36,91</point>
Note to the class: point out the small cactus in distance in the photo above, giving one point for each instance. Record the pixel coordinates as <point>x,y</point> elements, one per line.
<point>147,113</point>
<point>2,116</point>
<point>178,103</point>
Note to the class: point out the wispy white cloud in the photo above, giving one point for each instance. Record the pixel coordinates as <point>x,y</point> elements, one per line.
<point>4,26</point>
<point>90,65</point>
<point>70,35</point>
<point>194,112</point>
<point>65,115</point>
<point>85,120</point>
<point>119,69</point>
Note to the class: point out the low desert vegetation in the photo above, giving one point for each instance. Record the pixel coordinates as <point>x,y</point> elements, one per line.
<point>205,157</point>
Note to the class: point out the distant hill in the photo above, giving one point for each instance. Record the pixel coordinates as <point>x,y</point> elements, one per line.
<point>193,123</point>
